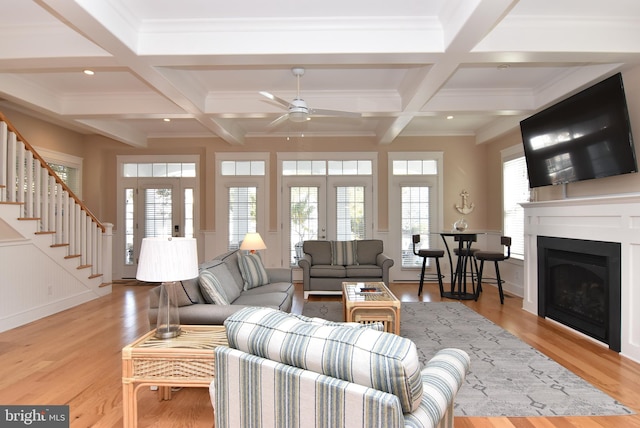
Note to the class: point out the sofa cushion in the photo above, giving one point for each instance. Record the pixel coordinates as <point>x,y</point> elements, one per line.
<point>278,287</point>
<point>212,289</point>
<point>320,252</point>
<point>367,251</point>
<point>327,271</point>
<point>364,271</point>
<point>252,270</point>
<point>380,360</point>
<point>221,271</point>
<point>275,300</point>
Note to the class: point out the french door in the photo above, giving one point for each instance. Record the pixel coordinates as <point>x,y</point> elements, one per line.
<point>155,207</point>
<point>325,207</point>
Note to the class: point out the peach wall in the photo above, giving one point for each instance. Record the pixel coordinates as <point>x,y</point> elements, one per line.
<point>464,168</point>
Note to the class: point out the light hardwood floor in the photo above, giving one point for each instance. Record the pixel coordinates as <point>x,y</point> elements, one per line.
<point>74,358</point>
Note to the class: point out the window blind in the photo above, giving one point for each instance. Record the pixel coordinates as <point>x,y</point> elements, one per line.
<point>515,191</point>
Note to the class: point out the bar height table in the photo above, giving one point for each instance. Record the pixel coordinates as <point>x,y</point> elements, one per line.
<point>458,282</point>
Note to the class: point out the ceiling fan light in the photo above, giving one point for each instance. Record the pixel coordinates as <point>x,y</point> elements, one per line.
<point>298,110</point>
<point>298,116</point>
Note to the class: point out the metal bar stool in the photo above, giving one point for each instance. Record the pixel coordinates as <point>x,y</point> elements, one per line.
<point>495,257</point>
<point>429,254</point>
<point>465,267</point>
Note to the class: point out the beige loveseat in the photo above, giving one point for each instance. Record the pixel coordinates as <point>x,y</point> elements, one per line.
<point>195,309</point>
<point>327,264</point>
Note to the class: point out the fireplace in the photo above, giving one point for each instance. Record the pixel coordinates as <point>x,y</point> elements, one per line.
<point>579,286</point>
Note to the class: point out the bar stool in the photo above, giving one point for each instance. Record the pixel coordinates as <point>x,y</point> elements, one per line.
<point>495,257</point>
<point>465,265</point>
<point>429,254</point>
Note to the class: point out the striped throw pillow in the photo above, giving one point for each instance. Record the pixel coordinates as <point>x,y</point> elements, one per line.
<point>364,356</point>
<point>211,288</point>
<point>252,270</point>
<point>343,253</point>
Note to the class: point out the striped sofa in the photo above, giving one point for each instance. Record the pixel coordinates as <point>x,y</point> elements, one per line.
<point>286,370</point>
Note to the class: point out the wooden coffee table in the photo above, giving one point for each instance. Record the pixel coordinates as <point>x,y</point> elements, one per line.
<point>369,307</point>
<point>187,360</point>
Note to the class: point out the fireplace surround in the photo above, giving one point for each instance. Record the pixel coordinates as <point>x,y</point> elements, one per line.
<point>579,286</point>
<point>611,218</point>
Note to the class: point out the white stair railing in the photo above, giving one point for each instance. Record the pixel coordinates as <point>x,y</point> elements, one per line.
<point>27,180</point>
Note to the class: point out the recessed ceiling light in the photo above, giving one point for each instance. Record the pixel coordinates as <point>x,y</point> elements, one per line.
<point>166,119</point>
<point>449,117</point>
<point>88,72</point>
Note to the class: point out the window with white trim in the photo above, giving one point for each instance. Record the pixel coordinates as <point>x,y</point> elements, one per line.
<point>67,167</point>
<point>415,200</point>
<point>243,176</point>
<point>515,190</point>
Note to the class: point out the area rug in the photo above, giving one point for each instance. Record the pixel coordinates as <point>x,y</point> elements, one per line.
<point>507,377</point>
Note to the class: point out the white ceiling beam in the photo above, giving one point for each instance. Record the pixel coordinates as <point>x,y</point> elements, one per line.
<point>101,24</point>
<point>116,130</point>
<point>465,27</point>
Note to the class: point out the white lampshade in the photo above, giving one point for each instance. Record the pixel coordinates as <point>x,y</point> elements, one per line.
<point>167,259</point>
<point>252,242</point>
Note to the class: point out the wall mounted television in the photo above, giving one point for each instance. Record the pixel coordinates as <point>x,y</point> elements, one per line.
<point>585,136</point>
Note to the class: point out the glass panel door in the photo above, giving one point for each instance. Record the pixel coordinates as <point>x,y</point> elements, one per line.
<point>343,214</point>
<point>156,207</point>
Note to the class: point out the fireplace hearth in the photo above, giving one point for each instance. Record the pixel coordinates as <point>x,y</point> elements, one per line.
<point>579,286</point>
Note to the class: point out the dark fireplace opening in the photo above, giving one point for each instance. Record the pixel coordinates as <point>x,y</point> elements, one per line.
<point>579,286</point>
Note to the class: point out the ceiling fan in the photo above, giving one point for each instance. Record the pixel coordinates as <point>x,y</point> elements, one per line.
<point>297,110</point>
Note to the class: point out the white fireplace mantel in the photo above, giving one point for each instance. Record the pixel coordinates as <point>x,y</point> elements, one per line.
<point>612,218</point>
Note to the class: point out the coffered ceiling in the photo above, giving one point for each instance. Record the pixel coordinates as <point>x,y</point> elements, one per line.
<point>405,66</point>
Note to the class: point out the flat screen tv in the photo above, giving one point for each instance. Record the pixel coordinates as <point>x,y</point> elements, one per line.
<point>585,136</point>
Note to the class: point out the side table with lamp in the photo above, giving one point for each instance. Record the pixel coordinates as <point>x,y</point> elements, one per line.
<point>170,355</point>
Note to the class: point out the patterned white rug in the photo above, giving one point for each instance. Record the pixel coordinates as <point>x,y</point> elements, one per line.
<point>507,377</point>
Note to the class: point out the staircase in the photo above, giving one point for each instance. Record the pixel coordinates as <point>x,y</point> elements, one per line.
<point>54,253</point>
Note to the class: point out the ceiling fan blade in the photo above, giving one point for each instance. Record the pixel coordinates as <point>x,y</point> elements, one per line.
<point>274,98</point>
<point>278,121</point>
<point>324,112</point>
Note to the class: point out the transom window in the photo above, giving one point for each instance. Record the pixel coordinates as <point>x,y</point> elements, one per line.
<point>159,169</point>
<point>327,167</point>
<point>242,168</point>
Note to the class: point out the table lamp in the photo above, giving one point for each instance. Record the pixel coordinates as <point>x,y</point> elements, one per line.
<point>167,260</point>
<point>252,242</point>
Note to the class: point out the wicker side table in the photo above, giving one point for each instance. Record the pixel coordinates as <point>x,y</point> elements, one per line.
<point>382,306</point>
<point>187,360</point>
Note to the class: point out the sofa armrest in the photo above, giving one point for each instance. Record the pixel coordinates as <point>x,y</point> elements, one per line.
<point>286,393</point>
<point>385,262</point>
<point>305,264</point>
<point>442,378</point>
<point>279,274</point>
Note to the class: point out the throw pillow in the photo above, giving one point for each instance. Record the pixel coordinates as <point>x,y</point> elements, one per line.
<point>211,288</point>
<point>252,270</point>
<point>343,253</point>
